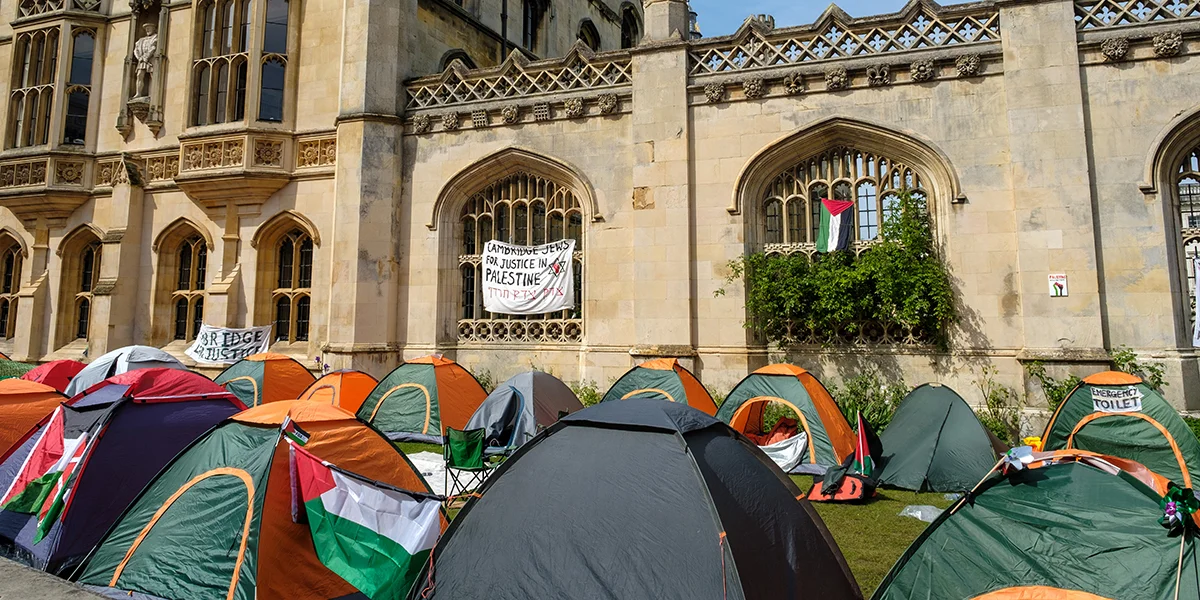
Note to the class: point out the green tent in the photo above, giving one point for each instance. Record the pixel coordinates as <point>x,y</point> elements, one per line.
<point>1116,413</point>
<point>1075,527</point>
<point>421,397</point>
<point>10,369</point>
<point>935,443</point>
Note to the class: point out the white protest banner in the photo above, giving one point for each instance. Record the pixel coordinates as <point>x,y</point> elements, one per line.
<point>528,280</point>
<point>227,346</point>
<point>1124,400</point>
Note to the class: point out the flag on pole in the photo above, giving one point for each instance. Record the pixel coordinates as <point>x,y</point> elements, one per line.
<point>43,483</point>
<point>293,431</point>
<point>862,450</point>
<point>375,536</point>
<point>837,225</point>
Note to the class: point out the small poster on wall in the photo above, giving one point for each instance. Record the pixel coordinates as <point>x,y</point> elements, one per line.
<point>1058,285</point>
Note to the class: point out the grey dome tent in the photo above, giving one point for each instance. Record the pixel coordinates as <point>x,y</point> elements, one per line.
<point>637,499</point>
<point>119,361</point>
<point>518,408</point>
<point>936,443</point>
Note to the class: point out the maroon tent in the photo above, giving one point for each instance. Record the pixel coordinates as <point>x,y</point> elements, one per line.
<point>56,374</point>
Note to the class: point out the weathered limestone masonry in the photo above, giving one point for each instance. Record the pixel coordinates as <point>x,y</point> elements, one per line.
<point>334,169</point>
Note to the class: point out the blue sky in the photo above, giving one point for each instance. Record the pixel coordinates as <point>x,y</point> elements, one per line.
<point>722,17</point>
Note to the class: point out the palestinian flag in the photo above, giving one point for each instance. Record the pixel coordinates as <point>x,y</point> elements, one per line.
<point>863,462</point>
<point>293,431</point>
<point>837,225</point>
<point>42,484</point>
<point>375,536</point>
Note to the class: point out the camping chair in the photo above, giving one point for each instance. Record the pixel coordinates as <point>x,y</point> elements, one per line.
<point>466,468</point>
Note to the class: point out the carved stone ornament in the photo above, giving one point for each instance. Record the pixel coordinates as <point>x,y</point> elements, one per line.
<point>1115,49</point>
<point>421,123</point>
<point>1168,44</point>
<point>607,103</point>
<point>143,53</point>
<point>268,152</point>
<point>510,113</point>
<point>69,172</point>
<point>793,84</point>
<point>480,119</point>
<point>541,111</point>
<point>573,107</point>
<point>105,176</point>
<point>967,65</point>
<point>714,92</point>
<point>754,87</point>
<point>879,76</point>
<point>234,153</point>
<point>450,121</point>
<point>837,78</point>
<point>922,70</point>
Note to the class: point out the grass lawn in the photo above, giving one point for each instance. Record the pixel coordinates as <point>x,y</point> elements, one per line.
<point>872,535</point>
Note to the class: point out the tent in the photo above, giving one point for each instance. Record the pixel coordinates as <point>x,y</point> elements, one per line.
<point>637,499</point>
<point>23,404</point>
<point>56,373</point>
<point>10,369</point>
<point>664,378</point>
<point>1072,526</point>
<point>830,438</point>
<point>347,389</point>
<point>518,408</point>
<point>120,361</point>
<point>266,377</point>
<point>135,423</point>
<point>421,396</point>
<point>1116,413</point>
<point>217,522</point>
<point>936,443</point>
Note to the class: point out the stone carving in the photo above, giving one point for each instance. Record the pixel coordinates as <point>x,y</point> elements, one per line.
<point>69,172</point>
<point>479,119</point>
<point>268,152</point>
<point>837,78</point>
<point>162,168</point>
<point>879,76</point>
<point>510,114</point>
<point>714,92</point>
<point>450,121</point>
<point>421,123</point>
<point>922,70</point>
<point>1115,49</point>
<point>515,80</point>
<point>316,153</point>
<point>25,173</point>
<point>967,65</point>
<point>104,172</point>
<point>143,52</point>
<point>1168,44</point>
<point>573,107</point>
<point>214,154</point>
<point>233,153</point>
<point>793,84</point>
<point>541,111</point>
<point>754,87</point>
<point>1102,14</point>
<point>607,103</point>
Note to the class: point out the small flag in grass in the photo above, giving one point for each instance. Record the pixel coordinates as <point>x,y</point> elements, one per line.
<point>293,431</point>
<point>375,536</point>
<point>837,225</point>
<point>863,462</point>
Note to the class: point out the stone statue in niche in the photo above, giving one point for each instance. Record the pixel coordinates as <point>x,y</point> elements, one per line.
<point>143,51</point>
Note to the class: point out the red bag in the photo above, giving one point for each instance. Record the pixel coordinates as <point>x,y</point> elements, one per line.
<point>854,488</point>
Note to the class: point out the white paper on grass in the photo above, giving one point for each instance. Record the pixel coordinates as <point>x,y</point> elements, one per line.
<point>528,280</point>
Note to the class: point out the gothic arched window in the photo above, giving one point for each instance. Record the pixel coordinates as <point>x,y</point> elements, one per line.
<point>791,205</point>
<point>224,67</point>
<point>1187,182</point>
<point>521,209</point>
<point>86,278</point>
<point>532,13</point>
<point>291,298</point>
<point>588,35</point>
<point>35,68</point>
<point>10,285</point>
<point>191,272</point>
<point>631,27</point>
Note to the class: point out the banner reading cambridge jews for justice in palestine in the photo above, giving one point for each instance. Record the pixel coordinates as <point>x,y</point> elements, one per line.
<point>528,280</point>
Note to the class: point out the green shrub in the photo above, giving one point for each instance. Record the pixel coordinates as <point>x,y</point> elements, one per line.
<point>773,413</point>
<point>1125,359</point>
<point>1194,424</point>
<point>868,394</point>
<point>899,286</point>
<point>587,392</point>
<point>1056,390</point>
<point>486,380</point>
<point>717,397</point>
<point>1001,411</point>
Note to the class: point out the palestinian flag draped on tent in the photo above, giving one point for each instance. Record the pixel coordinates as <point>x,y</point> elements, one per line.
<point>863,462</point>
<point>375,536</point>
<point>44,478</point>
<point>837,225</point>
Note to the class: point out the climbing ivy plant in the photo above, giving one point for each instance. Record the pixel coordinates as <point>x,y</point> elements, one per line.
<point>898,290</point>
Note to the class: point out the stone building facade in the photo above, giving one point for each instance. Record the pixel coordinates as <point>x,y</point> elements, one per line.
<point>332,169</point>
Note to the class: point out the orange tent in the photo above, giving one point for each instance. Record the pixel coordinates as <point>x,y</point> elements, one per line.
<point>266,377</point>
<point>23,404</point>
<point>665,379</point>
<point>228,499</point>
<point>418,399</point>
<point>347,389</point>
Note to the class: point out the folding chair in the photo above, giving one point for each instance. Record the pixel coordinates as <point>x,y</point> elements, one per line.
<point>466,468</point>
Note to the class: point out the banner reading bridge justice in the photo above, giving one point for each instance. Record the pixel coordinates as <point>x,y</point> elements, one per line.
<point>528,280</point>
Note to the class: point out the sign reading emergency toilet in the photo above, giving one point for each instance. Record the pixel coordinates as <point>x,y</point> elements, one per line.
<point>1122,400</point>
